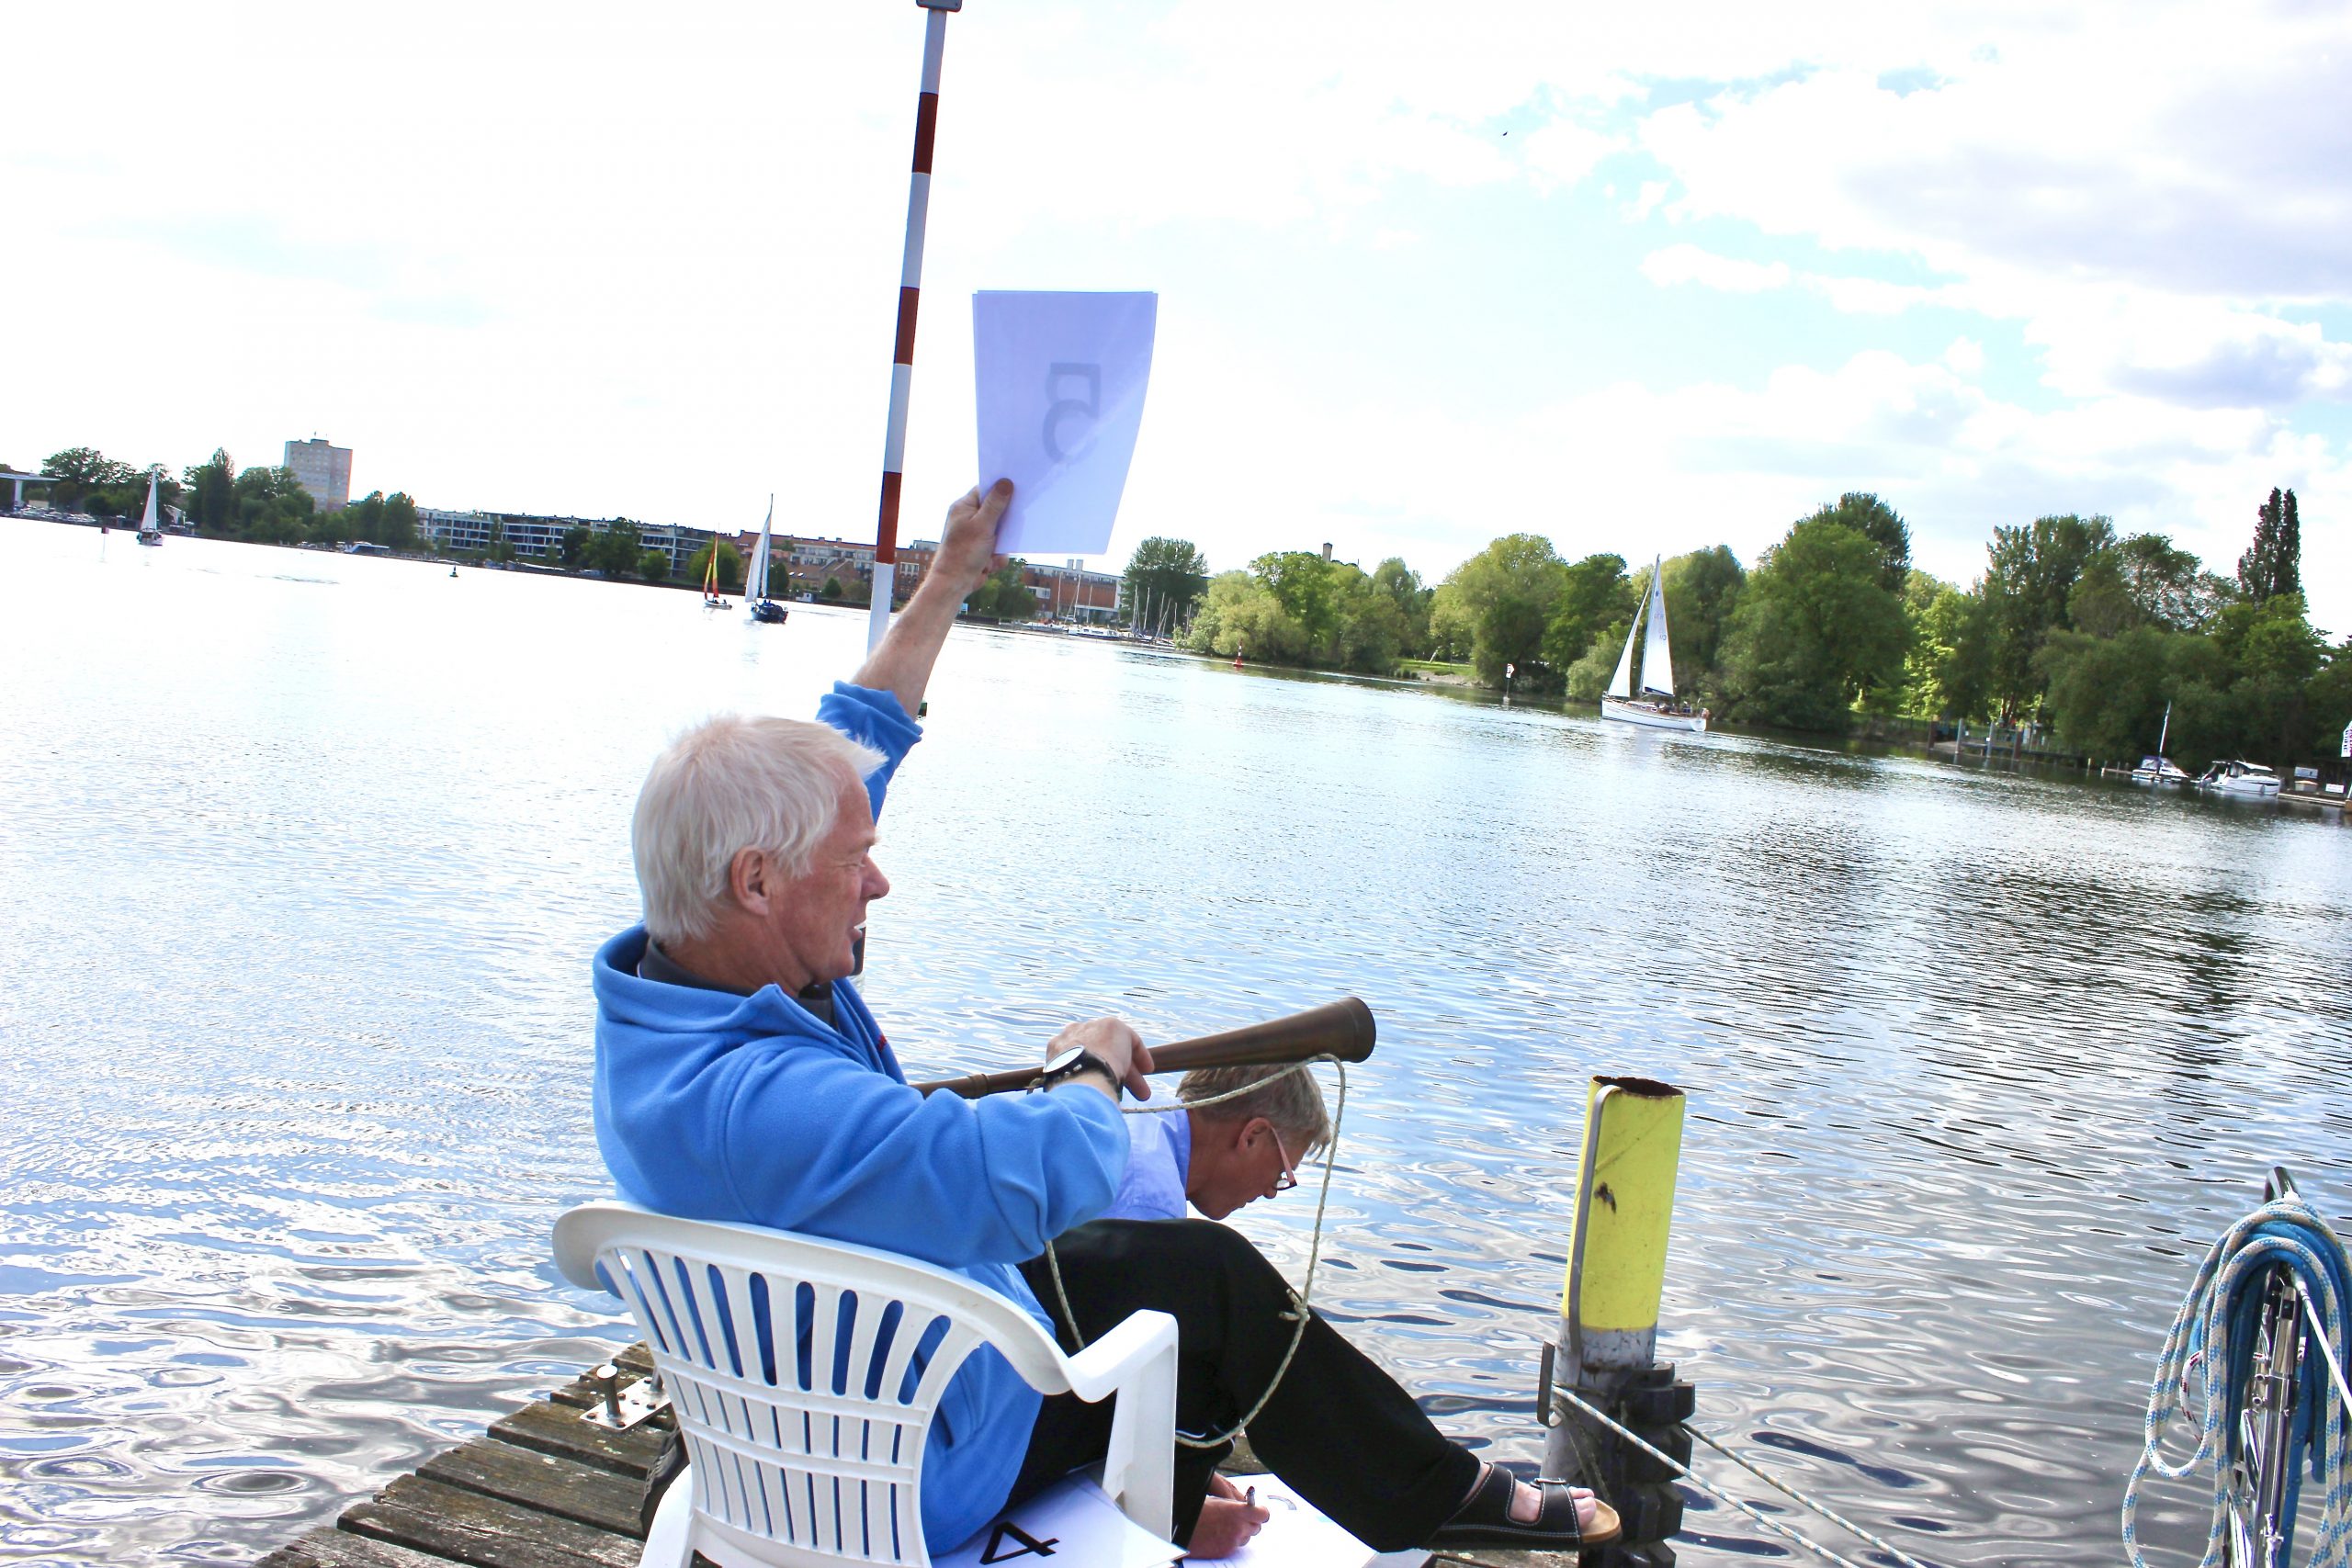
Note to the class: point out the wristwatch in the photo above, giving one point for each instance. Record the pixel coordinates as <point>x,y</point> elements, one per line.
<point>1069,1065</point>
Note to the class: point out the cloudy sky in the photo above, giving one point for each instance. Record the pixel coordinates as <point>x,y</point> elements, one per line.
<point>1641,279</point>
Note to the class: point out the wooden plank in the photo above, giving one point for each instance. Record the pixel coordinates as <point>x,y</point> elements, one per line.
<point>568,1489</point>
<point>328,1548</point>
<point>466,1527</point>
<point>558,1429</point>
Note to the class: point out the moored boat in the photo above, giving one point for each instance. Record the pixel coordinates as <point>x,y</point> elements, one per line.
<point>2159,771</point>
<point>2236,776</point>
<point>1652,704</point>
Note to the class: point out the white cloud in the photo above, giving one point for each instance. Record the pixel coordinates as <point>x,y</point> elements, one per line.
<point>1688,264</point>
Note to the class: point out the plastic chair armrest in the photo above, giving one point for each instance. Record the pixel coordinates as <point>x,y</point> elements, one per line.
<point>1097,1371</point>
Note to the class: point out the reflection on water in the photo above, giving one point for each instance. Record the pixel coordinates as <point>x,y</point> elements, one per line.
<point>302,860</point>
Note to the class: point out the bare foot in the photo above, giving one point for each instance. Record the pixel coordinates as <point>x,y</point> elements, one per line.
<point>1526,1504</point>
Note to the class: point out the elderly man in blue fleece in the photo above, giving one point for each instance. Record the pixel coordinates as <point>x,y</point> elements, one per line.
<point>741,1077</point>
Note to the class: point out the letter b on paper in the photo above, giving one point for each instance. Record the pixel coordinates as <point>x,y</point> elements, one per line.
<point>1060,381</point>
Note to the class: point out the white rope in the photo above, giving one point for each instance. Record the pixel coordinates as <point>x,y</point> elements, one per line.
<point>2200,1343</point>
<point>1300,1299</point>
<point>1761,1517</point>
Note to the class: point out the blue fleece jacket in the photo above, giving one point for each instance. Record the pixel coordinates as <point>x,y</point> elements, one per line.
<point>750,1108</point>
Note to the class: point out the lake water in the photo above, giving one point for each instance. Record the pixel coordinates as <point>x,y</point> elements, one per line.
<point>303,858</point>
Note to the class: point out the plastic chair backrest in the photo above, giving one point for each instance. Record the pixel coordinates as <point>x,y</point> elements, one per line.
<point>803,1373</point>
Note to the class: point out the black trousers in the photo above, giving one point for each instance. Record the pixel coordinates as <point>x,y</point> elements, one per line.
<point>1338,1429</point>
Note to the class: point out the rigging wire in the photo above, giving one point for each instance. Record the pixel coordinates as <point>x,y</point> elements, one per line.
<point>1685,1473</point>
<point>1300,1299</point>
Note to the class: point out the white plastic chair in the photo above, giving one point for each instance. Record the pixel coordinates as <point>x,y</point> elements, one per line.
<point>791,1365</point>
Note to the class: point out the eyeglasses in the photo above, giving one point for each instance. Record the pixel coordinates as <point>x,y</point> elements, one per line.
<point>1289,1177</point>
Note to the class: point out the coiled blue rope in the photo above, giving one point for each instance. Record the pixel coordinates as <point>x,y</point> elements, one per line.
<point>2212,1341</point>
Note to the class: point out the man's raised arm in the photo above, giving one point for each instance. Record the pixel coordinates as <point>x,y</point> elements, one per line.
<point>903,664</point>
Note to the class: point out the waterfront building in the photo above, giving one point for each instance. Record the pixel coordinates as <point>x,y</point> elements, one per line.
<point>1070,592</point>
<point>539,537</point>
<point>324,469</point>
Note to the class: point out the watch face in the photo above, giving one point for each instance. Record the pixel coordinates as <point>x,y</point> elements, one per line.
<point>1066,1060</point>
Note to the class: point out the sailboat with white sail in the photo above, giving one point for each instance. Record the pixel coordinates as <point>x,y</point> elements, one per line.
<point>764,610</point>
<point>1652,703</point>
<point>150,531</point>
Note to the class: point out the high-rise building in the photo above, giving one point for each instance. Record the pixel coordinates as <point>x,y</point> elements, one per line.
<point>324,469</point>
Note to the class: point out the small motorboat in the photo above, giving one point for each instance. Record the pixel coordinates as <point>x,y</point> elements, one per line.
<point>2159,771</point>
<point>2239,777</point>
<point>769,613</point>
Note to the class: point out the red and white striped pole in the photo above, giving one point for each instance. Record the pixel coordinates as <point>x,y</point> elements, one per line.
<point>902,356</point>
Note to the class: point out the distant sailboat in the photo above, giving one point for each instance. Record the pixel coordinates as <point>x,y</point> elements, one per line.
<point>1653,705</point>
<point>150,532</point>
<point>755,584</point>
<point>710,599</point>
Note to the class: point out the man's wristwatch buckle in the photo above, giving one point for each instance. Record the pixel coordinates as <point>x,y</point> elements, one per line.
<point>1069,1065</point>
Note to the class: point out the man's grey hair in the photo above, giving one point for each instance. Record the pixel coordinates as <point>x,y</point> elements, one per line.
<point>1287,1097</point>
<point>731,784</point>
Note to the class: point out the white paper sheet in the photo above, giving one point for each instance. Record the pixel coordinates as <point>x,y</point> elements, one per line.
<point>1297,1535</point>
<point>1060,381</point>
<point>1070,1521</point>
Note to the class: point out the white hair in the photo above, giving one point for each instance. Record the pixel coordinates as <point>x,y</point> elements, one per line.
<point>731,784</point>
<point>1288,1098</point>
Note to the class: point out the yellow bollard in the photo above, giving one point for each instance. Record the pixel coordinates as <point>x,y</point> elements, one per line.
<point>1616,1277</point>
<point>1632,1149</point>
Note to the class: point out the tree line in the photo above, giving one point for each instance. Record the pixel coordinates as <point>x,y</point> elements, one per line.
<point>2072,624</point>
<point>262,504</point>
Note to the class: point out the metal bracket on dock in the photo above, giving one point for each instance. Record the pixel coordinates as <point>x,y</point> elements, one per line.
<point>621,1406</point>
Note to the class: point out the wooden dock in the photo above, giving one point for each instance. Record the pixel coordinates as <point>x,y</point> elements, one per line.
<point>544,1489</point>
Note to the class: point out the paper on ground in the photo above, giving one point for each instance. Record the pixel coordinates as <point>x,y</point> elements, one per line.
<point>1060,381</point>
<point>1069,1522</point>
<point>1297,1535</point>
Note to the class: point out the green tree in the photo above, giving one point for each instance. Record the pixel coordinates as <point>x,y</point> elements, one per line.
<point>2107,694</point>
<point>731,564</point>
<point>1307,587</point>
<point>2029,581</point>
<point>1816,627</point>
<point>1702,590</point>
<point>2273,563</point>
<point>614,550</point>
<point>1595,594</point>
<point>653,565</point>
<point>403,529</point>
<point>1947,670</point>
<point>1452,632</point>
<point>831,591</point>
<point>1239,616</point>
<point>272,507</point>
<point>1588,677</point>
<point>1003,593</point>
<point>572,548</point>
<point>213,495</point>
<point>1165,577</point>
<point>1880,524</point>
<point>1508,592</point>
<point>79,470</point>
<point>363,519</point>
<point>1403,587</point>
<point>2272,654</point>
